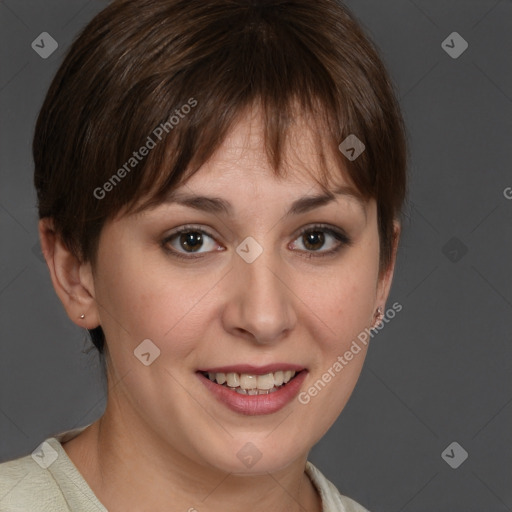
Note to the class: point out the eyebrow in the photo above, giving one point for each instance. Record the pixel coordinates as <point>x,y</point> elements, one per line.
<point>302,205</point>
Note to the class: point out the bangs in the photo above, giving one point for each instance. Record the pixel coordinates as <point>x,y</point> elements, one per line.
<point>173,162</point>
<point>259,63</point>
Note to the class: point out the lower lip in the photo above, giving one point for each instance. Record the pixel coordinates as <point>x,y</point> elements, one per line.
<point>253,405</point>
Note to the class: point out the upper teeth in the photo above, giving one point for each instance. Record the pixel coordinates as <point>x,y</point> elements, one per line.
<point>249,381</point>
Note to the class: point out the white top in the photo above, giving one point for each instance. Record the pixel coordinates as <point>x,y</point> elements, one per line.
<point>48,481</point>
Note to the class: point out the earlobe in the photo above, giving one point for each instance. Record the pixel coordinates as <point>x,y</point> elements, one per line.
<point>72,279</point>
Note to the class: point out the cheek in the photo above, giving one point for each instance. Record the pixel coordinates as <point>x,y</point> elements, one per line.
<point>147,298</point>
<point>341,297</point>
<point>338,314</point>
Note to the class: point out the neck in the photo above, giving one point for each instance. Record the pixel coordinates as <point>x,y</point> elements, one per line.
<point>129,468</point>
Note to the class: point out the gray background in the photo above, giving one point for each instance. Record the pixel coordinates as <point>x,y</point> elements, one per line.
<point>438,372</point>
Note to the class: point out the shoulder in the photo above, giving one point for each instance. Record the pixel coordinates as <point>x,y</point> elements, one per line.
<point>46,481</point>
<point>332,500</point>
<point>26,486</point>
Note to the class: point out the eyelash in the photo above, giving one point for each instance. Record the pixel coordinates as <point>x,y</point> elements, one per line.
<point>342,238</point>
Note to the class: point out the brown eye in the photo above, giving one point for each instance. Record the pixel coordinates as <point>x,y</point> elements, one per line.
<point>189,240</point>
<point>314,238</point>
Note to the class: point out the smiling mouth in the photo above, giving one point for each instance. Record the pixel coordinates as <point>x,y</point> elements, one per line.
<point>250,384</point>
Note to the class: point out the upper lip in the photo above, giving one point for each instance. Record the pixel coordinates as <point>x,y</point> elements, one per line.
<point>254,370</point>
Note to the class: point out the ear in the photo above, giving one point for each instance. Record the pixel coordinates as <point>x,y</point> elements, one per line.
<point>386,277</point>
<point>73,280</point>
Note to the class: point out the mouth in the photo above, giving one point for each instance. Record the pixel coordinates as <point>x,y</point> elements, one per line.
<point>254,390</point>
<point>252,384</point>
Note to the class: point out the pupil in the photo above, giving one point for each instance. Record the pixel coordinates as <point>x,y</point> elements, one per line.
<point>192,240</point>
<point>314,238</point>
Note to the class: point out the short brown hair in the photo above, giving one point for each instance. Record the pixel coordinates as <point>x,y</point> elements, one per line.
<point>139,62</point>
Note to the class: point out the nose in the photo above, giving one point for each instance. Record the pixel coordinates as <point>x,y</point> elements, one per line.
<point>261,305</point>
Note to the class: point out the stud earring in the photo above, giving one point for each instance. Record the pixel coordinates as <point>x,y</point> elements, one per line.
<point>82,316</point>
<point>379,315</point>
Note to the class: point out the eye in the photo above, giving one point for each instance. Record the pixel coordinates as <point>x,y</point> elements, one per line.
<point>187,241</point>
<point>314,238</point>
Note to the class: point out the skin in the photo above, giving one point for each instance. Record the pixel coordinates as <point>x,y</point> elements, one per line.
<point>163,440</point>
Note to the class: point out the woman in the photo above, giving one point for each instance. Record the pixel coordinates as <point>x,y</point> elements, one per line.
<point>219,188</point>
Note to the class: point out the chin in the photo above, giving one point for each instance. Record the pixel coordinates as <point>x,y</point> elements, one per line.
<point>253,455</point>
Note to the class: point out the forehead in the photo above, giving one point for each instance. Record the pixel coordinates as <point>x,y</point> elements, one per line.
<point>242,170</point>
<point>243,156</point>
<point>239,175</point>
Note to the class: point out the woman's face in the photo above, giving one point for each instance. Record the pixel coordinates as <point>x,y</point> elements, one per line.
<point>253,297</point>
